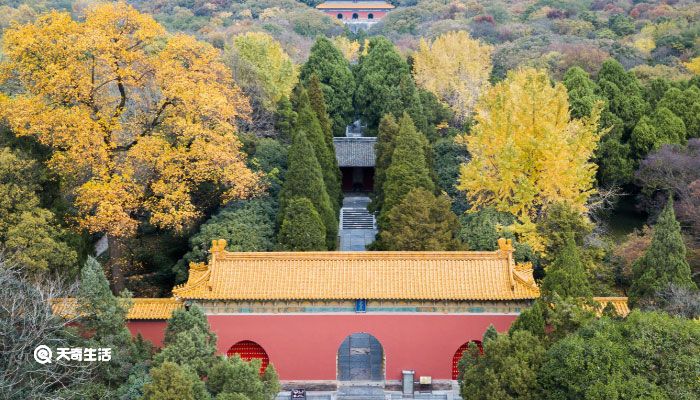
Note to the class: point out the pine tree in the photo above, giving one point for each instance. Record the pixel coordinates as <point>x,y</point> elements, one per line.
<point>663,263</point>
<point>384,148</point>
<point>302,228</point>
<point>337,81</point>
<point>581,91</point>
<point>183,320</point>
<point>421,222</point>
<point>305,179</point>
<point>566,276</point>
<point>490,334</point>
<point>385,86</point>
<point>104,317</point>
<point>408,168</point>
<point>171,381</point>
<point>623,93</point>
<point>318,104</point>
<point>285,118</point>
<point>307,122</point>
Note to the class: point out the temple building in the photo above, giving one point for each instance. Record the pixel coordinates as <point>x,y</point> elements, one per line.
<point>356,14</point>
<point>326,318</point>
<point>356,159</point>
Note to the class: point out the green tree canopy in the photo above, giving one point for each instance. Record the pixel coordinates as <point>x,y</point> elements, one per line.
<point>384,149</point>
<point>408,168</point>
<point>581,89</point>
<point>421,222</point>
<point>566,275</point>
<point>31,235</point>
<point>385,86</point>
<point>325,152</point>
<point>171,381</point>
<point>302,228</point>
<point>337,81</point>
<point>304,178</point>
<point>663,263</point>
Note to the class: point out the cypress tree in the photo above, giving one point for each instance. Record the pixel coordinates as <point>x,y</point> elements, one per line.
<point>384,148</point>
<point>623,92</point>
<point>663,263</point>
<point>305,179</point>
<point>302,228</point>
<point>567,276</point>
<point>490,334</point>
<point>337,81</point>
<point>285,118</point>
<point>307,121</point>
<point>421,222</point>
<point>171,381</point>
<point>408,168</point>
<point>581,91</point>
<point>318,103</point>
<point>385,86</point>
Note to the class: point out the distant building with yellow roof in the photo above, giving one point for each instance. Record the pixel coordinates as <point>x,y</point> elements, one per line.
<point>356,13</point>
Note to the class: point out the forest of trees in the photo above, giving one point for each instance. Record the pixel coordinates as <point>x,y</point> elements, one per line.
<point>571,127</point>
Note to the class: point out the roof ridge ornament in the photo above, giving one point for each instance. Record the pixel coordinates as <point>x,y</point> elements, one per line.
<point>218,246</point>
<point>505,247</point>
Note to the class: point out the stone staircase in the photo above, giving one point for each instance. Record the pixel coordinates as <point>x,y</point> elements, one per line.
<point>356,218</point>
<point>355,392</point>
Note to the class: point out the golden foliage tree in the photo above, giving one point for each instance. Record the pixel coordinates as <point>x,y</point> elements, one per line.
<point>261,66</point>
<point>455,68</point>
<point>526,151</point>
<point>137,120</point>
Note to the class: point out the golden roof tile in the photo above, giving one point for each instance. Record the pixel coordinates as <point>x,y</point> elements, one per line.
<point>619,303</point>
<point>467,275</point>
<point>141,308</point>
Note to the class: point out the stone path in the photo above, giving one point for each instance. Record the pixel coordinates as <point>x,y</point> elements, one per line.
<point>357,226</point>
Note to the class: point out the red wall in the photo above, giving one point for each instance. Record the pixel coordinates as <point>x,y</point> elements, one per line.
<point>154,331</point>
<point>347,15</point>
<point>304,347</point>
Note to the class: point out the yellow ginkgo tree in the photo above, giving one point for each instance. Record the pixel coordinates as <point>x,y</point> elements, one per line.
<point>527,152</point>
<point>137,120</point>
<point>455,68</point>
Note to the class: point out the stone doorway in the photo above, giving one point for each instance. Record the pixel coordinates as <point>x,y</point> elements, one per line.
<point>360,358</point>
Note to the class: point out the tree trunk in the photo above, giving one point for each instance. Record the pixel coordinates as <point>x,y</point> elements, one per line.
<point>115,264</point>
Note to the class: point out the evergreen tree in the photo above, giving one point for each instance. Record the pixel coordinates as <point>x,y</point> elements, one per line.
<point>189,341</point>
<point>385,86</point>
<point>650,133</point>
<point>305,179</point>
<point>490,334</point>
<point>383,148</point>
<point>318,104</point>
<point>235,377</point>
<point>613,155</point>
<point>285,118</point>
<point>567,275</point>
<point>337,81</point>
<point>684,104</point>
<point>408,168</point>
<point>663,263</point>
<point>171,381</point>
<point>302,228</point>
<point>307,122</point>
<point>623,93</point>
<point>507,370</point>
<point>421,222</point>
<point>581,89</point>
<point>104,319</point>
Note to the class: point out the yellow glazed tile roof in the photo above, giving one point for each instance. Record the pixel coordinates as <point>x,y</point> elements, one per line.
<point>359,275</point>
<point>619,303</point>
<point>142,308</point>
<point>355,5</point>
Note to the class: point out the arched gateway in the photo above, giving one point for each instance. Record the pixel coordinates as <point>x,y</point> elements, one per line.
<point>360,358</point>
<point>249,350</point>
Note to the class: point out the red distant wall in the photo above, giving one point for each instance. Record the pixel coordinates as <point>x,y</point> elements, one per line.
<point>304,347</point>
<point>152,330</point>
<point>363,15</point>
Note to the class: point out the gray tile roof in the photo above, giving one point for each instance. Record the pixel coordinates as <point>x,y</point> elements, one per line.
<point>355,152</point>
